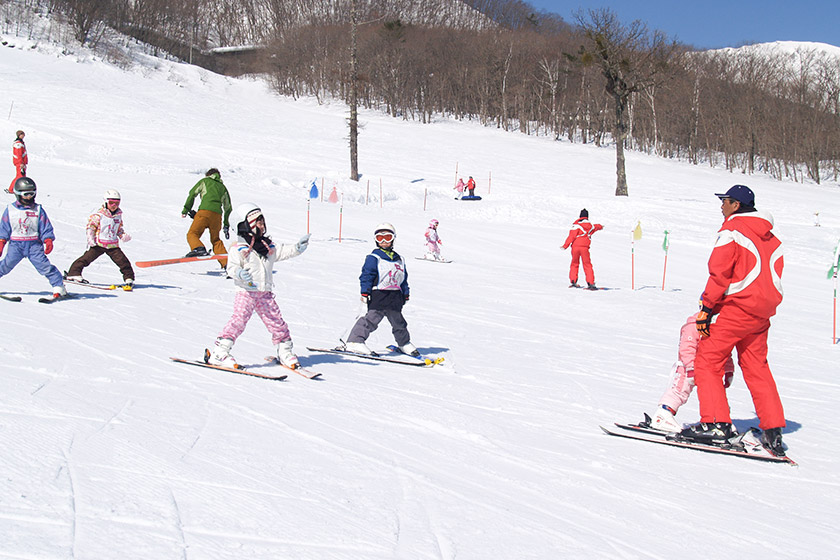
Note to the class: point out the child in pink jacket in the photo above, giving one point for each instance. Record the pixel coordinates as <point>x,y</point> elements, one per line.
<point>682,379</point>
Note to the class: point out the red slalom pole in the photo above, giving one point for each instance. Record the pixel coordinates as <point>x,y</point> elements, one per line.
<point>340,217</point>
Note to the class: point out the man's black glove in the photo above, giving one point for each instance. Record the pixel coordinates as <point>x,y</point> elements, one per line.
<point>226,229</point>
<point>191,213</point>
<point>704,322</point>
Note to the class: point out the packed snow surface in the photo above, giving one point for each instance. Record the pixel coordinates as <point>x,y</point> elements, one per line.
<point>112,451</point>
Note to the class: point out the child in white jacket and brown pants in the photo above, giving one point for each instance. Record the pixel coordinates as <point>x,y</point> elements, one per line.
<point>250,263</point>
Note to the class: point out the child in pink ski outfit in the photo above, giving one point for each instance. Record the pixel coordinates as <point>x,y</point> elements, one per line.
<point>250,264</point>
<point>433,241</point>
<point>682,379</point>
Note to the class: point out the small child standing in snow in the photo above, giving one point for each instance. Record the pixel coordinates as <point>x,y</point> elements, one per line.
<point>29,233</point>
<point>460,187</point>
<point>433,241</point>
<point>682,379</point>
<point>250,263</point>
<point>104,232</point>
<point>384,287</point>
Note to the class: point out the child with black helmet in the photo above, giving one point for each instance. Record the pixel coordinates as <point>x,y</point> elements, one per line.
<point>250,263</point>
<point>29,234</point>
<point>384,287</point>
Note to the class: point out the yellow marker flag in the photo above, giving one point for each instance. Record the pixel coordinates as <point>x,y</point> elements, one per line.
<point>637,233</point>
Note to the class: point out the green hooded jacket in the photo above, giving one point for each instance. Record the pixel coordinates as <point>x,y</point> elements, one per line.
<point>214,197</point>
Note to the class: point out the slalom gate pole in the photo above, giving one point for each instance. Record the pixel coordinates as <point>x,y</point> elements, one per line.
<point>367,195</point>
<point>489,181</point>
<point>633,265</point>
<point>425,194</point>
<point>456,163</point>
<point>322,189</point>
<point>380,192</point>
<point>340,217</point>
<point>834,315</point>
<point>308,204</point>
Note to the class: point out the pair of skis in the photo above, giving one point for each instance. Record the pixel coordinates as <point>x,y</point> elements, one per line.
<point>747,445</point>
<point>304,372</point>
<point>50,299</point>
<point>404,359</point>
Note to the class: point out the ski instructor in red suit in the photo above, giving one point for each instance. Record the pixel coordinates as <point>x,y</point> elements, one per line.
<point>743,290</point>
<point>19,158</point>
<point>580,238</point>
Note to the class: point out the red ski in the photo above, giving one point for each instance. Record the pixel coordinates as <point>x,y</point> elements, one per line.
<point>241,371</point>
<point>146,264</point>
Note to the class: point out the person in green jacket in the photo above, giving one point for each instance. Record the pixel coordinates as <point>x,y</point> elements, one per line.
<point>215,201</point>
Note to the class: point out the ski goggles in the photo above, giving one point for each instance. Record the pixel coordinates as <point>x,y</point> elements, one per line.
<point>27,194</point>
<point>113,201</point>
<point>384,236</point>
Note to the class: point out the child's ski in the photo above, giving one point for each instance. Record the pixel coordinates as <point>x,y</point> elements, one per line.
<point>307,373</point>
<point>425,359</point>
<point>241,371</point>
<point>11,298</point>
<point>54,298</point>
<point>375,357</point>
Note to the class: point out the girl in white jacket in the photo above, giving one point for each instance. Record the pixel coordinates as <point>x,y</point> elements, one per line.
<point>250,263</point>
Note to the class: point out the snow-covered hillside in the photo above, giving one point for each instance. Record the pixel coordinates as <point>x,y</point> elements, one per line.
<point>112,451</point>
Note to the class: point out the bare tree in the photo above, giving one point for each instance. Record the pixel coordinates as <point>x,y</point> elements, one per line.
<point>632,59</point>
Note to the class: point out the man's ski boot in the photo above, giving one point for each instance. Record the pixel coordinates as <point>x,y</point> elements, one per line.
<point>771,439</point>
<point>710,433</point>
<point>197,252</point>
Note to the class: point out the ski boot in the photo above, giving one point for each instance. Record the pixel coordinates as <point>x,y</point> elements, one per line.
<point>220,355</point>
<point>286,356</point>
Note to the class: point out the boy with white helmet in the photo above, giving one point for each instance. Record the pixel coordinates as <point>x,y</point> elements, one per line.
<point>250,263</point>
<point>29,233</point>
<point>433,241</point>
<point>384,287</point>
<point>104,232</point>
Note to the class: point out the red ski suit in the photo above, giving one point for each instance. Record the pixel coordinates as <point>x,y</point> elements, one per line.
<point>744,289</point>
<point>580,237</point>
<point>19,160</point>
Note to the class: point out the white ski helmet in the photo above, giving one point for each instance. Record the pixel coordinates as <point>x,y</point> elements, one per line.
<point>385,226</point>
<point>247,212</point>
<point>111,194</point>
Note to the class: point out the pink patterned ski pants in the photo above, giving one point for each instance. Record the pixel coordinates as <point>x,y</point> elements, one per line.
<point>244,305</point>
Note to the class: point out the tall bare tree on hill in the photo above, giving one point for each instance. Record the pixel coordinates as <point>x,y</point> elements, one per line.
<point>632,59</point>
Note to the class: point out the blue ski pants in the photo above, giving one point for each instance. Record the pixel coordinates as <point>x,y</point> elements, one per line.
<point>16,251</point>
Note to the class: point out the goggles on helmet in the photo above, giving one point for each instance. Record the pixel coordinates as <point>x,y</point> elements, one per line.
<point>383,236</point>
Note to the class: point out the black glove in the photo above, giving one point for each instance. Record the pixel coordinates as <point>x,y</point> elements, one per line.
<point>226,229</point>
<point>704,322</point>
<point>191,213</point>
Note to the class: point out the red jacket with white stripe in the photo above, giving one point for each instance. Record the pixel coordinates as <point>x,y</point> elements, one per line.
<point>745,268</point>
<point>19,156</point>
<point>581,233</point>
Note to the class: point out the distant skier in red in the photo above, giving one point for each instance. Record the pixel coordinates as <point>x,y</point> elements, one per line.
<point>580,237</point>
<point>19,158</point>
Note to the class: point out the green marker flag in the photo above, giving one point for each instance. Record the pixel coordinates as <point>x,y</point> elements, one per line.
<point>665,242</point>
<point>835,266</point>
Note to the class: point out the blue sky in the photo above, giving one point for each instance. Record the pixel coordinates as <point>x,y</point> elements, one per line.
<point>717,23</point>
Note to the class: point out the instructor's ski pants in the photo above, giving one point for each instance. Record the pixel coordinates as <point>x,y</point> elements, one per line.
<point>748,335</point>
<point>581,255</point>
<point>369,322</point>
<point>207,219</point>
<point>16,251</point>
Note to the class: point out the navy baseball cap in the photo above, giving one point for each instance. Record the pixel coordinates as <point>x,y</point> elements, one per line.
<point>741,193</point>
